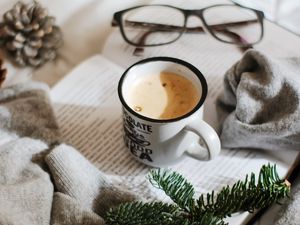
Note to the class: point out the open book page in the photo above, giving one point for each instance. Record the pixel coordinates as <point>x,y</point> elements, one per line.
<point>89,113</point>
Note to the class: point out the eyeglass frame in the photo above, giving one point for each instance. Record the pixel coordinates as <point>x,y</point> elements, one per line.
<point>117,21</point>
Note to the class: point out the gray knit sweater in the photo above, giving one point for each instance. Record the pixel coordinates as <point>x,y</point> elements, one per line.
<point>43,182</point>
<point>260,106</point>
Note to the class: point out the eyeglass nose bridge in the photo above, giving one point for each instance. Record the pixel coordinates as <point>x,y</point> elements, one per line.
<point>194,12</point>
<point>198,13</point>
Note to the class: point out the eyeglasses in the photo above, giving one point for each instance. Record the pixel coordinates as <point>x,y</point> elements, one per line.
<point>155,25</point>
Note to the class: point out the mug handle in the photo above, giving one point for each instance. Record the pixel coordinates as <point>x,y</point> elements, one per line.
<point>209,136</point>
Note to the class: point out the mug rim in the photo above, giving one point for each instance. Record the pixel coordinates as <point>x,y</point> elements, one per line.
<point>197,72</point>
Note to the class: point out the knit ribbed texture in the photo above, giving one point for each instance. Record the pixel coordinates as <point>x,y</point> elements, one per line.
<point>25,110</point>
<point>262,97</point>
<point>261,108</point>
<point>27,125</point>
<point>76,177</point>
<point>68,211</point>
<point>40,185</point>
<point>26,190</point>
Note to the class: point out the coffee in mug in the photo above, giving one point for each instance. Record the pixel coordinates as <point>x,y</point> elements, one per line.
<point>163,95</point>
<point>162,100</point>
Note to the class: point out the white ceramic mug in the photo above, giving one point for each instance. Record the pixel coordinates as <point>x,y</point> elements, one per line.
<point>161,142</point>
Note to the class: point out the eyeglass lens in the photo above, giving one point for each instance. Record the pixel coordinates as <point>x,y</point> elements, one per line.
<point>233,24</point>
<point>150,25</point>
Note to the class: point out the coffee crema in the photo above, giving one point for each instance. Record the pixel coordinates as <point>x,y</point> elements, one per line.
<point>163,96</point>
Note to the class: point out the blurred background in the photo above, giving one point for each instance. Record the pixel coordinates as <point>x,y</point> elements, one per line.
<point>286,13</point>
<point>86,25</point>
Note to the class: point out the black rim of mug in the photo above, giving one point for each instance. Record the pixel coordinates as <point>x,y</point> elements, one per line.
<point>165,59</point>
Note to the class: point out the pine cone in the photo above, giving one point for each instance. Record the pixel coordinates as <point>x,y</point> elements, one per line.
<point>29,35</point>
<point>3,73</point>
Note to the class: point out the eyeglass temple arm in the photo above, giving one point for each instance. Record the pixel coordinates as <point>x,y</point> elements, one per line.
<point>114,22</point>
<point>245,45</point>
<point>173,28</point>
<point>139,50</point>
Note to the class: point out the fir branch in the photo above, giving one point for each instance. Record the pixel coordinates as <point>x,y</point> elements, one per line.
<point>209,209</point>
<point>247,195</point>
<point>175,186</point>
<point>156,213</point>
